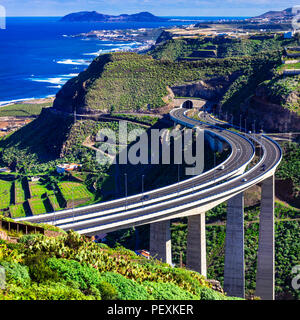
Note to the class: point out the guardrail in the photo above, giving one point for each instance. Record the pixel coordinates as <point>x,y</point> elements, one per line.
<point>158,202</point>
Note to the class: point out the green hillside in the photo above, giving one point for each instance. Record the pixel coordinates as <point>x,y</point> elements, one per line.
<point>71,267</point>
<point>132,82</point>
<point>176,49</point>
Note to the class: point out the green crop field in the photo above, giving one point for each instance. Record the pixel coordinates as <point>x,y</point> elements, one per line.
<point>74,190</point>
<point>19,192</point>
<point>38,189</point>
<point>54,202</point>
<point>5,193</point>
<point>38,206</point>
<point>17,211</point>
<point>25,110</point>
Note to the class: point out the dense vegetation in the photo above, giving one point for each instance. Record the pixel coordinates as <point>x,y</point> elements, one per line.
<point>175,49</point>
<point>70,267</point>
<point>287,251</point>
<point>132,82</point>
<point>289,168</point>
<point>284,91</point>
<point>23,110</point>
<point>286,237</point>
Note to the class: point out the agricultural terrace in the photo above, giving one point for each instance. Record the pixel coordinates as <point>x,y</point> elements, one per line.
<point>74,190</point>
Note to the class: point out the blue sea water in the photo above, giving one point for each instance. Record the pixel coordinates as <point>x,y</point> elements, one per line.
<point>37,57</point>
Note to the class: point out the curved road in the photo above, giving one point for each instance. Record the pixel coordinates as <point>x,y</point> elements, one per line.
<point>242,152</point>
<point>167,203</point>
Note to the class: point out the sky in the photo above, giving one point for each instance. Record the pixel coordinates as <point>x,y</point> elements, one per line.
<point>242,8</point>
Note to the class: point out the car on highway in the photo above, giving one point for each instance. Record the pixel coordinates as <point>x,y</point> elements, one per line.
<point>222,167</point>
<point>244,180</point>
<point>145,197</point>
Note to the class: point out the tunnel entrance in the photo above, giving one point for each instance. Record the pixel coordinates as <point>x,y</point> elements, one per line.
<point>188,104</point>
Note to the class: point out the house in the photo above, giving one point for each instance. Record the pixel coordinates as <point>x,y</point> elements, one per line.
<point>7,170</point>
<point>61,168</point>
<point>34,179</point>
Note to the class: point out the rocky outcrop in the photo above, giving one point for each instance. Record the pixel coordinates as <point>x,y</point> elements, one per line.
<point>215,285</point>
<point>212,89</point>
<point>269,112</point>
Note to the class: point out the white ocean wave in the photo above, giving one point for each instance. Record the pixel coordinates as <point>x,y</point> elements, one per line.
<point>4,103</point>
<point>121,44</point>
<point>74,62</point>
<point>70,75</point>
<point>118,48</point>
<point>55,87</point>
<point>58,80</point>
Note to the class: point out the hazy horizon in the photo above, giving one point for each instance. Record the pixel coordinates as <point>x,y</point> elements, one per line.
<point>167,8</point>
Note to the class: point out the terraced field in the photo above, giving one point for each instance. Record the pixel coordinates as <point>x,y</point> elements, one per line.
<point>17,211</point>
<point>19,192</point>
<point>37,206</point>
<point>37,189</point>
<point>14,196</point>
<point>5,194</point>
<point>74,191</point>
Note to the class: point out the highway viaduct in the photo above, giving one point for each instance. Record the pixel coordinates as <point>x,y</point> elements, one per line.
<point>198,195</point>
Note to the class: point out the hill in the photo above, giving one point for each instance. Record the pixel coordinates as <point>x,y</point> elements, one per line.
<point>287,13</point>
<point>72,267</point>
<point>133,82</point>
<point>88,16</point>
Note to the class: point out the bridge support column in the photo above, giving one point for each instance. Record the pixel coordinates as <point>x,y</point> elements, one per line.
<point>160,241</point>
<point>265,275</point>
<point>234,264</point>
<point>196,244</point>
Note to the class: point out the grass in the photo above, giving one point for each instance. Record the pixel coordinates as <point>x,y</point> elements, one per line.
<point>54,202</point>
<point>25,110</point>
<point>19,192</point>
<point>38,189</point>
<point>38,206</point>
<point>17,211</point>
<point>74,190</point>
<point>290,66</point>
<point>5,194</point>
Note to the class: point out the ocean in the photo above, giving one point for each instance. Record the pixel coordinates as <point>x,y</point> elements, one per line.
<point>37,56</point>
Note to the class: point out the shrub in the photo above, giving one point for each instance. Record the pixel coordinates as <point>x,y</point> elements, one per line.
<point>16,273</point>
<point>12,255</point>
<point>71,270</point>
<point>47,291</point>
<point>108,292</point>
<point>127,289</point>
<point>209,294</point>
<point>39,270</point>
<point>167,291</point>
<point>28,239</point>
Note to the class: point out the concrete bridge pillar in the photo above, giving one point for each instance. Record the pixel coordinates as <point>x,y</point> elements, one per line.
<point>265,274</point>
<point>234,264</point>
<point>160,241</point>
<point>196,244</point>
